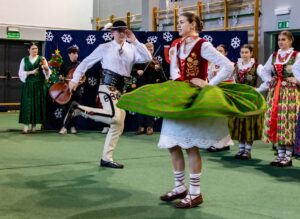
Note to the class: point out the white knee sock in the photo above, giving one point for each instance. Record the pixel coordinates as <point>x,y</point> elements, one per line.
<point>242,146</point>
<point>281,152</point>
<point>248,147</point>
<point>194,189</point>
<point>195,184</point>
<point>288,153</point>
<point>179,181</point>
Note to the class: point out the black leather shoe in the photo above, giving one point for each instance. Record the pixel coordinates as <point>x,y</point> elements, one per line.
<point>111,164</point>
<point>214,149</point>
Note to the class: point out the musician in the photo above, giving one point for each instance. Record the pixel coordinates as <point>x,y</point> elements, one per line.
<point>33,72</point>
<point>117,58</point>
<point>65,67</point>
<point>147,73</point>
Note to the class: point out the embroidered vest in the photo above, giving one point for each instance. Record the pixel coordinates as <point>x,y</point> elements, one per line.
<point>193,66</point>
<point>247,76</point>
<point>285,73</point>
<point>31,66</point>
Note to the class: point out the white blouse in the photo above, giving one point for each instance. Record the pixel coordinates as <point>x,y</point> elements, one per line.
<point>209,53</point>
<point>23,74</point>
<point>112,59</point>
<point>265,72</point>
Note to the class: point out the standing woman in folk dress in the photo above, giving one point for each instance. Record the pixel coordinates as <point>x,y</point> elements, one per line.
<point>283,99</point>
<point>33,72</point>
<point>246,130</point>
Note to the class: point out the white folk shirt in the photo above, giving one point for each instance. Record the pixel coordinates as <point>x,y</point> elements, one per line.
<point>110,58</point>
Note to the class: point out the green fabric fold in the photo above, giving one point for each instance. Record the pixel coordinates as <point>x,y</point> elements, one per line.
<point>180,100</point>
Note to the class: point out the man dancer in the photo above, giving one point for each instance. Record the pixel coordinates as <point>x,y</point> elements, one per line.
<point>117,58</point>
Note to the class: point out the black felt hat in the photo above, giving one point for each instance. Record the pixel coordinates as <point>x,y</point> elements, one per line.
<point>119,25</point>
<point>73,49</point>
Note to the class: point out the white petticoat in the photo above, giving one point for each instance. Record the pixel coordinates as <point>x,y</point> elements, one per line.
<point>201,132</point>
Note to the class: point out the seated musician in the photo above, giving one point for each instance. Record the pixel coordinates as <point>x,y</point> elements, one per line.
<point>65,68</point>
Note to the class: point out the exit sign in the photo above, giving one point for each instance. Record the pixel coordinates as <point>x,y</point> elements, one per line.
<point>13,35</point>
<point>283,24</point>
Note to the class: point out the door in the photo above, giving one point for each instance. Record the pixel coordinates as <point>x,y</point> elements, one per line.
<point>11,54</point>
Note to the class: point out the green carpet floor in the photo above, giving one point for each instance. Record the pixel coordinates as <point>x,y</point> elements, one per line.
<point>45,175</point>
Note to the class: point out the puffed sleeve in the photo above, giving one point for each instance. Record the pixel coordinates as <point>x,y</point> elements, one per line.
<point>265,73</point>
<point>296,68</point>
<point>174,70</point>
<point>22,72</point>
<point>141,53</point>
<point>209,53</point>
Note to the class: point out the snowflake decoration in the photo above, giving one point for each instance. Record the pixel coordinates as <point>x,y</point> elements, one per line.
<point>49,36</point>
<point>66,38</point>
<point>107,36</point>
<point>92,81</point>
<point>167,36</point>
<point>58,113</point>
<point>159,58</point>
<point>235,42</point>
<point>208,38</point>
<point>91,39</point>
<point>152,39</point>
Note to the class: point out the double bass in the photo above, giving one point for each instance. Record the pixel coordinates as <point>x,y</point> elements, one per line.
<point>60,92</point>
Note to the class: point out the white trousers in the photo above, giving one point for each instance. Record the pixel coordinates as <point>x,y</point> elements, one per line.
<point>109,114</point>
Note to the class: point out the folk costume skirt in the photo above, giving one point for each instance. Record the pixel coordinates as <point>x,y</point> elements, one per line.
<point>194,116</point>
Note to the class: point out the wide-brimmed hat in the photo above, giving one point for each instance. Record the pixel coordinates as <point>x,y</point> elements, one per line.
<point>119,25</point>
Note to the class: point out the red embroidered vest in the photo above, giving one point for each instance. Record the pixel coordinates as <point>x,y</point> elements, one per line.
<point>193,66</point>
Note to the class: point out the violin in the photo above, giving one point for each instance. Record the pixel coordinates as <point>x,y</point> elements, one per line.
<point>60,92</point>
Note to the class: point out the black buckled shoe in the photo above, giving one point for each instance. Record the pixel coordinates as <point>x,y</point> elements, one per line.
<point>214,149</point>
<point>111,164</point>
<point>285,162</point>
<point>246,155</point>
<point>171,196</point>
<point>239,154</point>
<point>276,162</point>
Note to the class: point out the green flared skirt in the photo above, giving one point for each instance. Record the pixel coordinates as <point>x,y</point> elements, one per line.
<point>33,102</point>
<point>180,100</point>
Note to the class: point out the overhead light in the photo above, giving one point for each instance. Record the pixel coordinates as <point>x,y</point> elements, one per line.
<point>282,11</point>
<point>13,29</point>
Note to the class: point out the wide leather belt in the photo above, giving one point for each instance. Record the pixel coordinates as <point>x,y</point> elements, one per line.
<point>113,79</point>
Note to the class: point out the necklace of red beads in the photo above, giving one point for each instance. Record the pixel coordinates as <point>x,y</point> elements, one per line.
<point>283,59</point>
